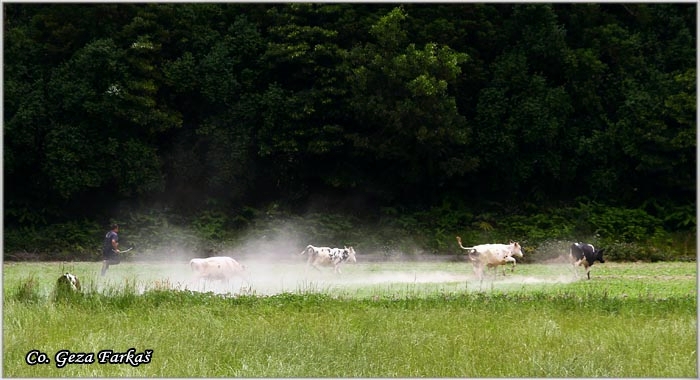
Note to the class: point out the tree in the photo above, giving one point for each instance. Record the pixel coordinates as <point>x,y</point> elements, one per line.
<point>407,124</point>
<point>521,134</point>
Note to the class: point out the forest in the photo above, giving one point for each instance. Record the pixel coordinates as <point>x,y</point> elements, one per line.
<point>362,123</point>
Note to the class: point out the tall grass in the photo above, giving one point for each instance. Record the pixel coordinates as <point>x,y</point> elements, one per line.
<point>597,328</point>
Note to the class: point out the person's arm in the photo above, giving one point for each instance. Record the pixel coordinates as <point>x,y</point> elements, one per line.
<point>115,246</point>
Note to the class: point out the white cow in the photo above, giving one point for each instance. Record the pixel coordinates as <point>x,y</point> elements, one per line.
<point>326,256</point>
<point>492,255</point>
<point>221,268</point>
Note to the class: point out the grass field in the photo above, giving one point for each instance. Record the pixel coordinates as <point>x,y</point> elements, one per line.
<point>377,319</point>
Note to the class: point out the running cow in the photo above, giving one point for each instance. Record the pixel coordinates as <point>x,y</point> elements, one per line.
<point>221,268</point>
<point>325,256</point>
<point>492,255</point>
<point>584,254</point>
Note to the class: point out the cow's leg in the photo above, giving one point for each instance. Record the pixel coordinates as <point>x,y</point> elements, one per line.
<point>481,276</point>
<point>478,270</point>
<point>311,263</point>
<point>578,264</point>
<point>586,266</point>
<point>495,271</point>
<point>574,263</point>
<point>483,271</point>
<point>512,263</point>
<point>571,261</point>
<point>200,282</point>
<point>223,283</point>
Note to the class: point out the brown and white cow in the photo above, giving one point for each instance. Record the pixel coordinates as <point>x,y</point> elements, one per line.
<point>492,255</point>
<point>221,268</point>
<point>325,256</point>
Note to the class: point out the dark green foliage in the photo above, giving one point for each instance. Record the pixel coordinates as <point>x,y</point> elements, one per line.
<point>433,113</point>
<point>158,228</point>
<point>627,234</point>
<point>622,251</point>
<point>210,225</point>
<point>64,241</point>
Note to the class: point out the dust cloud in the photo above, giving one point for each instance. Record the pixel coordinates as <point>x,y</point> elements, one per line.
<point>274,273</point>
<point>274,265</point>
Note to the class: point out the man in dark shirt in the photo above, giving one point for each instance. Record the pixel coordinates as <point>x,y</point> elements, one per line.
<point>110,248</point>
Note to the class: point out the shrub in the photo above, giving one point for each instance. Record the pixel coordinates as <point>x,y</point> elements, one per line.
<point>27,291</point>
<point>157,228</point>
<point>626,224</point>
<point>631,233</point>
<point>624,251</point>
<point>69,240</point>
<point>210,225</point>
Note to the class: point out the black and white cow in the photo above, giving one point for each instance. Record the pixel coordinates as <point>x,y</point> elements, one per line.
<point>68,282</point>
<point>584,254</point>
<point>326,256</point>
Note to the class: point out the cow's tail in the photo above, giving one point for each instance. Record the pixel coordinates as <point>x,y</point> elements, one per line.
<point>469,250</point>
<point>308,248</point>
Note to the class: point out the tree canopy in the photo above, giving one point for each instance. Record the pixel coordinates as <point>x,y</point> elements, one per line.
<point>203,104</point>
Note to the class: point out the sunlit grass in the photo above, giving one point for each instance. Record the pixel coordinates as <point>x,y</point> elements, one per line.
<point>627,325</point>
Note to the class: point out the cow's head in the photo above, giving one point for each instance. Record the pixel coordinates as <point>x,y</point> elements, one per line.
<point>598,255</point>
<point>515,249</point>
<point>351,254</point>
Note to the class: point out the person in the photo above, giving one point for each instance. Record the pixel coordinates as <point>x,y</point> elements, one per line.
<point>110,248</point>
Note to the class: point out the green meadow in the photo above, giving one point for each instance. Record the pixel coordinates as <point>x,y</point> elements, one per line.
<point>383,319</point>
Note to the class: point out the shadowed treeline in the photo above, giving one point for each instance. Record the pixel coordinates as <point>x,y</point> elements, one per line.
<point>218,114</point>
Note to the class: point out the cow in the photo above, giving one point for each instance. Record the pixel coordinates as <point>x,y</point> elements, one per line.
<point>586,255</point>
<point>221,268</point>
<point>68,282</point>
<point>326,256</point>
<point>492,255</point>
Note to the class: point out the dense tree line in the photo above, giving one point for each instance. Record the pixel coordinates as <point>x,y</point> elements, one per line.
<point>208,105</point>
